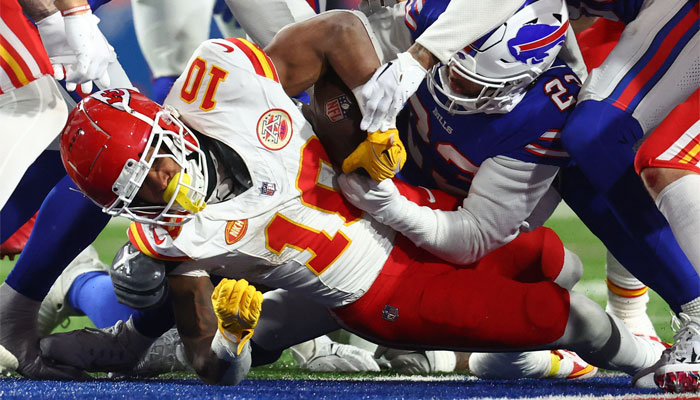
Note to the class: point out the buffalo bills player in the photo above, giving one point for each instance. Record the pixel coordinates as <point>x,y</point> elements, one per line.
<point>646,75</point>
<point>485,127</point>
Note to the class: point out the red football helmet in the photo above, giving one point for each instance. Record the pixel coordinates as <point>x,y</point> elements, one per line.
<point>109,144</point>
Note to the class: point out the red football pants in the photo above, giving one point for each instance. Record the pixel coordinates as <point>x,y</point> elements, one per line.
<point>505,301</point>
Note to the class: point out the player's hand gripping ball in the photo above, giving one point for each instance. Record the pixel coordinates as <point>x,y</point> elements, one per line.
<point>237,305</point>
<point>382,155</point>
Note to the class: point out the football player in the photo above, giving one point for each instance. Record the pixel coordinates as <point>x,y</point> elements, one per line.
<point>667,163</point>
<point>157,22</point>
<point>33,103</point>
<point>648,73</point>
<point>68,222</point>
<point>251,194</point>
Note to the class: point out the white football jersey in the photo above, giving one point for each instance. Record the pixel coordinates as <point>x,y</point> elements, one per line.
<point>292,229</point>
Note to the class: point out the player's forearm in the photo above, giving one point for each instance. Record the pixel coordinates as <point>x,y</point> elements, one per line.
<point>463,22</point>
<point>423,55</point>
<point>196,323</point>
<point>38,9</point>
<point>303,52</point>
<point>502,196</point>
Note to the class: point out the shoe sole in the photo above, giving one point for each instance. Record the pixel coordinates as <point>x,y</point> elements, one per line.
<point>678,381</point>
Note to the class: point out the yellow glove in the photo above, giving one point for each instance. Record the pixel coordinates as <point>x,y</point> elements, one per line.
<point>382,155</point>
<point>237,306</point>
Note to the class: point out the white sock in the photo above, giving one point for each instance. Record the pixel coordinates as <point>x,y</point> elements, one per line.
<point>627,298</point>
<point>679,202</point>
<point>531,364</point>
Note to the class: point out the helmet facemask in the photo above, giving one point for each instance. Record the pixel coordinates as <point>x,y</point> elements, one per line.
<point>497,95</point>
<point>186,191</point>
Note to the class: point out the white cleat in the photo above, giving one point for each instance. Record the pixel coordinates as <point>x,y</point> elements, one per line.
<point>645,378</point>
<point>324,355</point>
<point>678,370</point>
<point>549,364</point>
<point>418,361</point>
<point>8,362</point>
<point>568,365</point>
<point>54,310</point>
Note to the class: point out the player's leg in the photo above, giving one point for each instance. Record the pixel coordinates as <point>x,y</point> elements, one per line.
<point>646,74</point>
<point>66,224</point>
<point>557,364</point>
<point>627,298</point>
<point>32,117</point>
<point>262,19</point>
<point>667,162</point>
<point>83,288</point>
<point>168,31</point>
<point>438,306</point>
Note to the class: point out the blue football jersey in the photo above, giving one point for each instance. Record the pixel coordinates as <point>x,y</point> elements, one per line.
<point>448,148</point>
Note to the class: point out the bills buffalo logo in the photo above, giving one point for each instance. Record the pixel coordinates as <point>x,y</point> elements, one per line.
<point>235,230</point>
<point>532,43</point>
<point>275,129</point>
<point>338,108</point>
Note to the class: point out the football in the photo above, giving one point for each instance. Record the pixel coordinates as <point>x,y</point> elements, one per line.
<point>336,117</point>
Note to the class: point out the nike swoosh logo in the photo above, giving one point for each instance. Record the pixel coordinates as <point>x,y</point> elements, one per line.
<point>228,48</point>
<point>385,69</point>
<point>158,240</point>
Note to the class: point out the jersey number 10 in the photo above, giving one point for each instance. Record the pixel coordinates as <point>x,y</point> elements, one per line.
<point>195,76</point>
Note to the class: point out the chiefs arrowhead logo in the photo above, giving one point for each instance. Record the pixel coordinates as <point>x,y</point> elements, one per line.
<point>235,230</point>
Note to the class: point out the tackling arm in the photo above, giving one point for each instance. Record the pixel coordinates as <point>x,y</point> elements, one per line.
<point>197,325</point>
<point>463,22</point>
<point>502,196</point>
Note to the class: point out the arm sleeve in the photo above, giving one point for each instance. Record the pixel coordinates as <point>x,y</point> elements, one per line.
<point>239,364</point>
<point>463,22</point>
<point>502,196</point>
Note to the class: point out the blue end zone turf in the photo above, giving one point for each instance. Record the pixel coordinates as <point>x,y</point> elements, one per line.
<point>446,387</point>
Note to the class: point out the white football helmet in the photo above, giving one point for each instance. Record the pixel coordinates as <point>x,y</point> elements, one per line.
<point>505,61</point>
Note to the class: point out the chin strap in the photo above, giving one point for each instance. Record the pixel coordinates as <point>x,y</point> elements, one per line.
<point>181,197</point>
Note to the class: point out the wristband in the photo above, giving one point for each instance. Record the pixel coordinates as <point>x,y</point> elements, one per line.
<point>76,10</point>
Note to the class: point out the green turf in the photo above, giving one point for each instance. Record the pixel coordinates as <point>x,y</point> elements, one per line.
<point>573,233</point>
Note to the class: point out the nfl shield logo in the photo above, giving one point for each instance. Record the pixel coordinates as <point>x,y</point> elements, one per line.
<point>268,189</point>
<point>390,313</point>
<point>338,108</point>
